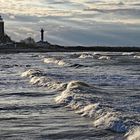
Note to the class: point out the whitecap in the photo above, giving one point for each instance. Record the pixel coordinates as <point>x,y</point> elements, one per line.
<point>86,55</point>
<point>133,134</point>
<point>31,72</point>
<point>55,61</point>
<point>111,121</point>
<point>104,58</point>
<point>128,53</point>
<point>137,56</point>
<point>77,96</point>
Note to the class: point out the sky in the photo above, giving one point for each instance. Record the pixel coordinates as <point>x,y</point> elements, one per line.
<point>74,22</point>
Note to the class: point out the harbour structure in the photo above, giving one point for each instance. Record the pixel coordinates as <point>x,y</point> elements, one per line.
<point>4,38</point>
<point>1,28</point>
<point>42,35</point>
<point>42,42</point>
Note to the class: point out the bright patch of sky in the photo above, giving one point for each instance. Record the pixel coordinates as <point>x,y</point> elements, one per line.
<point>74,22</point>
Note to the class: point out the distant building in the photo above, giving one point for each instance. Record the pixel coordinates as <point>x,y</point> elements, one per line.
<point>1,28</point>
<point>42,35</point>
<point>4,38</point>
<point>42,43</point>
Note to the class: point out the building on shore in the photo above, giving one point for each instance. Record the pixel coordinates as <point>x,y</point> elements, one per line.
<point>42,35</point>
<point>4,38</point>
<point>42,42</point>
<point>1,28</point>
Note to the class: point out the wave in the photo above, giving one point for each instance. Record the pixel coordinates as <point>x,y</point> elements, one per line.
<point>104,58</point>
<point>55,61</point>
<point>61,62</point>
<point>3,57</point>
<point>46,82</point>
<point>84,99</point>
<point>79,97</point>
<point>86,55</point>
<point>31,73</point>
<point>137,56</point>
<point>94,55</point>
<point>128,53</point>
<point>133,134</point>
<point>38,78</point>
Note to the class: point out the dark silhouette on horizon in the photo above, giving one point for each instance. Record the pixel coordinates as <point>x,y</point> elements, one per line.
<point>3,37</point>
<point>29,45</point>
<point>42,35</point>
<point>1,27</point>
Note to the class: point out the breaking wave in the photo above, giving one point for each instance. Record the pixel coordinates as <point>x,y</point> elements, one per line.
<point>133,134</point>
<point>104,58</point>
<point>86,55</point>
<point>93,55</point>
<point>128,53</point>
<point>31,72</point>
<point>61,62</point>
<point>137,56</point>
<point>79,97</point>
<point>38,78</point>
<point>85,100</point>
<point>56,61</point>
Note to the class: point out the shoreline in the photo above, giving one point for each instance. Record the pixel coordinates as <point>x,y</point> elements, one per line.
<point>23,48</point>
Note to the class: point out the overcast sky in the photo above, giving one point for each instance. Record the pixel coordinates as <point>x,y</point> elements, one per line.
<point>74,22</point>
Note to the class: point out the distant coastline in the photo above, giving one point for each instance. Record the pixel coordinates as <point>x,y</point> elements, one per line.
<point>15,47</point>
<point>29,45</point>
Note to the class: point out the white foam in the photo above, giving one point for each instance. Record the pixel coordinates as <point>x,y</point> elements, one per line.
<point>137,56</point>
<point>77,97</point>
<point>89,110</point>
<point>104,58</point>
<point>110,120</point>
<point>40,81</point>
<point>36,78</point>
<point>74,84</point>
<point>133,134</point>
<point>69,93</point>
<point>55,61</point>
<point>128,53</point>
<point>86,55</point>
<point>31,72</point>
<point>47,82</point>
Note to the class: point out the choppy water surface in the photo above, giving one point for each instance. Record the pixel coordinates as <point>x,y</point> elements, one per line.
<point>70,96</point>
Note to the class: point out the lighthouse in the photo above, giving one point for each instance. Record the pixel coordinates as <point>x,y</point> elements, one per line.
<point>42,35</point>
<point>1,27</point>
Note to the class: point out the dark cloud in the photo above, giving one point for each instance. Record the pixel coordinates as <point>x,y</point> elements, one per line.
<point>127,10</point>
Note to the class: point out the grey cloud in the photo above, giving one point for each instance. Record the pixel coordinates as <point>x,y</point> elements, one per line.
<point>113,10</point>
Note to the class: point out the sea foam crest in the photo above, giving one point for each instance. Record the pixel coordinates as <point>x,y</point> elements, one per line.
<point>31,72</point>
<point>137,56</point>
<point>128,53</point>
<point>104,58</point>
<point>47,82</point>
<point>40,79</point>
<point>110,120</point>
<point>55,61</point>
<point>78,96</point>
<point>133,134</point>
<point>86,55</point>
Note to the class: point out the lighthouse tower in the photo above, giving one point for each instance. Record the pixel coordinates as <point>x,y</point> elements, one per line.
<point>1,27</point>
<point>42,35</point>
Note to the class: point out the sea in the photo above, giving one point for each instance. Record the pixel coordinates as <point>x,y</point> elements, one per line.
<point>70,96</point>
